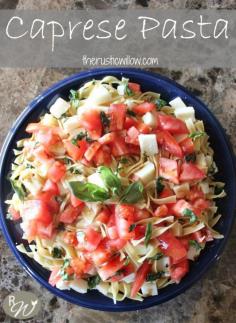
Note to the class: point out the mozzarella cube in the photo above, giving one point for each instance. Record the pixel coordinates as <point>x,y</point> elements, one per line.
<point>149,119</point>
<point>79,285</point>
<point>59,108</point>
<point>129,279</point>
<point>149,289</point>
<point>146,174</point>
<point>185,113</point>
<point>177,103</point>
<point>99,95</point>
<point>148,144</point>
<point>95,178</point>
<point>71,123</point>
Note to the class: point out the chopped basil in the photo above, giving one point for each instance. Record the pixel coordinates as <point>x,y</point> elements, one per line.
<point>111,181</point>
<point>74,99</point>
<point>64,275</point>
<point>74,170</point>
<point>56,252</point>
<point>148,233</point>
<point>154,276</point>
<point>195,244</point>
<point>18,188</point>
<point>192,216</point>
<point>88,192</point>
<point>132,227</point>
<point>133,193</point>
<point>218,190</point>
<point>123,160</point>
<point>190,158</point>
<point>159,185</point>
<point>158,256</point>
<point>93,281</point>
<point>196,134</point>
<point>131,113</point>
<point>160,103</point>
<point>104,119</point>
<point>67,161</point>
<point>81,135</point>
<point>127,90</point>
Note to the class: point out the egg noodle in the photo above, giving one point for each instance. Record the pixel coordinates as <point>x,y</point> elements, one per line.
<point>114,190</point>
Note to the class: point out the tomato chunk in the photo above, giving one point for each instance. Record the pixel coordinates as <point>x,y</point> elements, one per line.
<point>169,169</point>
<point>124,217</point>
<point>140,278</point>
<point>190,172</point>
<point>178,271</point>
<point>70,214</point>
<point>178,208</point>
<point>135,87</point>
<point>171,124</point>
<point>161,211</point>
<point>37,210</point>
<point>91,121</point>
<point>54,277</point>
<point>109,269</point>
<point>76,151</point>
<point>144,107</point>
<point>187,146</point>
<point>56,172</point>
<point>119,147</point>
<point>92,239</point>
<point>51,187</point>
<point>169,143</point>
<point>103,156</point>
<point>92,150</point>
<point>117,114</point>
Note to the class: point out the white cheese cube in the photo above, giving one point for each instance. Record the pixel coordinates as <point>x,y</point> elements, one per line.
<point>61,284</point>
<point>185,113</point>
<point>71,123</point>
<point>95,178</point>
<point>99,95</point>
<point>146,174</point>
<point>129,279</point>
<point>59,108</point>
<point>149,119</point>
<point>148,144</point>
<point>177,103</point>
<point>149,289</point>
<point>79,285</point>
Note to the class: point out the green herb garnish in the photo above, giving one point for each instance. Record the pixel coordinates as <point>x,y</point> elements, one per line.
<point>195,244</point>
<point>93,281</point>
<point>154,276</point>
<point>160,103</point>
<point>18,188</point>
<point>131,113</point>
<point>133,193</point>
<point>148,233</point>
<point>132,227</point>
<point>74,99</point>
<point>196,134</point>
<point>56,252</point>
<point>111,181</point>
<point>192,216</point>
<point>190,158</point>
<point>104,119</point>
<point>218,190</point>
<point>159,185</point>
<point>89,192</point>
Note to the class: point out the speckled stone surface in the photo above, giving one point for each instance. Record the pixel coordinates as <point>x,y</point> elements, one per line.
<point>213,298</point>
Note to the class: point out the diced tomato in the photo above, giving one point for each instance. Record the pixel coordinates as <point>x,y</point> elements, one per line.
<point>51,187</point>
<point>112,232</point>
<point>140,214</point>
<point>123,272</point>
<point>107,138</point>
<point>111,267</point>
<point>144,107</point>
<point>140,278</point>
<point>77,151</point>
<point>79,266</point>
<point>172,247</point>
<point>209,236</point>
<point>50,201</point>
<point>169,143</point>
<point>135,87</point>
<point>102,254</point>
<point>54,277</point>
<point>130,122</point>
<point>103,216</point>
<point>15,215</point>
<point>47,137</point>
<point>143,128</point>
<point>171,124</point>
<point>133,150</point>
<point>43,231</point>
<point>169,169</point>
<point>75,201</point>
<point>190,172</point>
<point>139,232</point>
<point>117,114</point>
<point>161,211</point>
<point>42,155</point>
<point>116,244</point>
<point>103,156</point>
<point>199,236</point>
<point>166,192</point>
<point>200,205</point>
<point>70,238</point>
<point>124,217</point>
<point>37,210</point>
<point>92,150</point>
<point>187,146</point>
<point>70,214</point>
<point>56,172</point>
<point>185,242</point>
<point>92,239</point>
<point>178,271</point>
<point>178,208</point>
<point>195,193</point>
<point>119,147</point>
<point>36,127</point>
<point>132,136</point>
<point>91,121</point>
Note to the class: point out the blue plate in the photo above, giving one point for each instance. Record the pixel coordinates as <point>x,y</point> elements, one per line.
<point>223,157</point>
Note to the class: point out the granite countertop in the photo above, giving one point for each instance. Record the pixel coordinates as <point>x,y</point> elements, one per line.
<point>213,298</point>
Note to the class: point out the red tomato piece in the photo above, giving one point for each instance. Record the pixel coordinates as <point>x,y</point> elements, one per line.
<point>47,137</point>
<point>124,217</point>
<point>166,192</point>
<point>56,172</point>
<point>187,146</point>
<point>119,147</point>
<point>92,150</point>
<point>190,172</point>
<point>178,271</point>
<point>124,271</point>
<point>91,121</point>
<point>134,87</point>
<point>112,232</point>
<point>139,232</point>
<point>144,107</point>
<point>14,214</point>
<point>45,232</point>
<point>37,210</point>
<point>140,278</point>
<point>130,122</point>
<point>111,267</point>
<point>132,136</point>
<point>75,201</point>
<point>178,208</point>
<point>140,214</point>
<point>199,236</point>
<point>107,138</point>
<point>161,211</point>
<point>51,187</point>
<point>143,128</point>
<point>54,277</point>
<point>103,156</point>
<point>172,247</point>
<point>171,124</point>
<point>117,114</point>
<point>116,244</point>
<point>79,266</point>
<point>76,152</point>
<point>70,214</point>
<point>70,238</point>
<point>133,150</point>
<point>169,169</point>
<point>103,216</point>
<point>195,193</point>
<point>169,143</point>
<point>92,239</point>
<point>200,205</point>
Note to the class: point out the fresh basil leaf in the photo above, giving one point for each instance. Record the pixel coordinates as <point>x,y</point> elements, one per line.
<point>148,233</point>
<point>88,192</point>
<point>132,227</point>
<point>192,216</point>
<point>160,103</point>
<point>74,99</point>
<point>18,189</point>
<point>190,158</point>
<point>158,256</point>
<point>154,276</point>
<point>56,252</point>
<point>131,113</point>
<point>104,119</point>
<point>133,193</point>
<point>111,181</point>
<point>195,244</point>
<point>159,185</point>
<point>93,281</point>
<point>196,134</point>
